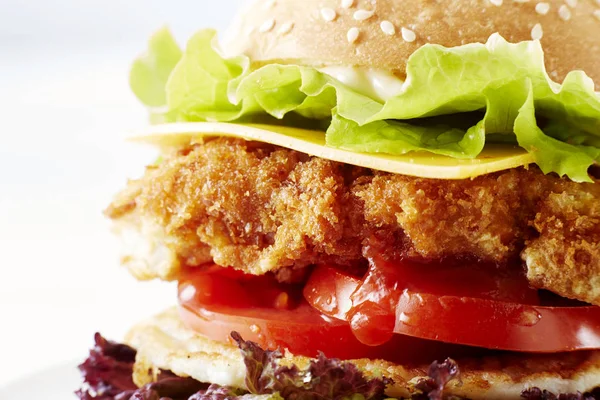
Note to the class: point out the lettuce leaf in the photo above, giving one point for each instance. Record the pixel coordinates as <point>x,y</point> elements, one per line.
<point>150,72</point>
<point>505,85</point>
<point>325,378</point>
<point>197,87</point>
<point>438,376</point>
<point>399,137</point>
<point>552,155</point>
<point>536,393</point>
<point>108,375</point>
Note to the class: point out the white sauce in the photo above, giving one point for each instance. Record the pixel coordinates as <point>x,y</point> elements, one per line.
<point>376,83</point>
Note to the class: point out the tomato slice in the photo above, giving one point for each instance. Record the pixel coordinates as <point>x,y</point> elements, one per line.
<point>329,291</point>
<point>390,299</point>
<point>215,302</point>
<point>498,325</point>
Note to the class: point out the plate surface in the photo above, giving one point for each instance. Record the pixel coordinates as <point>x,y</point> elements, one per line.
<point>55,383</point>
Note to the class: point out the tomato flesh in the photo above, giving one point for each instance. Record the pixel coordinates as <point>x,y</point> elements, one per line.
<point>215,302</point>
<point>497,325</point>
<point>458,304</point>
<point>405,312</point>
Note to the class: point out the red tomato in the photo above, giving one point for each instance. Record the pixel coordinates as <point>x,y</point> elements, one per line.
<point>476,309</point>
<point>215,302</point>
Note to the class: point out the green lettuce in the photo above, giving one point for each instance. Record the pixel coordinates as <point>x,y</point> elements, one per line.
<point>150,72</point>
<point>453,103</point>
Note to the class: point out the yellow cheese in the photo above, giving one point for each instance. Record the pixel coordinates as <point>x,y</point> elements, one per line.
<point>421,164</point>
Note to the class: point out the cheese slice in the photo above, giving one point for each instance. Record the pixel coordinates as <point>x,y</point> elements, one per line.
<point>420,164</point>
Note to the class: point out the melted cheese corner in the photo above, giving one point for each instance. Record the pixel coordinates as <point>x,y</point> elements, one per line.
<point>419,164</point>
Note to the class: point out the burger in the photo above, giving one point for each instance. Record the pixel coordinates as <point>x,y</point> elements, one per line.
<point>363,199</point>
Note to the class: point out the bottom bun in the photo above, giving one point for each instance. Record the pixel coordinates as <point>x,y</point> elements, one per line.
<point>164,343</point>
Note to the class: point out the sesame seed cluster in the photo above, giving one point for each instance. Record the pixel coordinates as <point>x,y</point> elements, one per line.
<point>353,35</point>
<point>357,14</point>
<point>565,12</point>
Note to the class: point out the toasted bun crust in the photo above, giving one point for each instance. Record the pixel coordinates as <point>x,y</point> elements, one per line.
<point>163,342</point>
<point>316,32</point>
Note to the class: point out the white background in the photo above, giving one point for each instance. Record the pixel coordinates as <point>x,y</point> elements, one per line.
<point>65,108</point>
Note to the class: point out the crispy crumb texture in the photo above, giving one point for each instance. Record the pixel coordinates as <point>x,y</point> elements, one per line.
<point>261,208</point>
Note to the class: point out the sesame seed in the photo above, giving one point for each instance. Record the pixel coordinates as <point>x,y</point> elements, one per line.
<point>328,14</point>
<point>408,35</point>
<point>542,8</point>
<point>350,3</point>
<point>597,14</point>
<point>571,3</point>
<point>521,1</point>
<point>497,3</point>
<point>352,35</point>
<point>564,13</point>
<point>267,26</point>
<point>286,28</point>
<point>388,28</point>
<point>362,15</point>
<point>537,33</point>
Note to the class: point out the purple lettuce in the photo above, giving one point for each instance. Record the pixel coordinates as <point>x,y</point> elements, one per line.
<point>439,375</point>
<point>217,392</point>
<point>324,379</point>
<point>107,370</point>
<point>539,394</point>
<point>107,375</point>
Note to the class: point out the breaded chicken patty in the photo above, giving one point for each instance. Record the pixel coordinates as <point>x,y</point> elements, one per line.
<point>261,208</point>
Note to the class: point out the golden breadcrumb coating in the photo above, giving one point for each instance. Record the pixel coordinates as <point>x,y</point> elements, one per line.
<point>565,258</point>
<point>262,208</point>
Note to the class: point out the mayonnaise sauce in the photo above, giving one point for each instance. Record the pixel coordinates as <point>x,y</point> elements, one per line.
<point>375,83</point>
